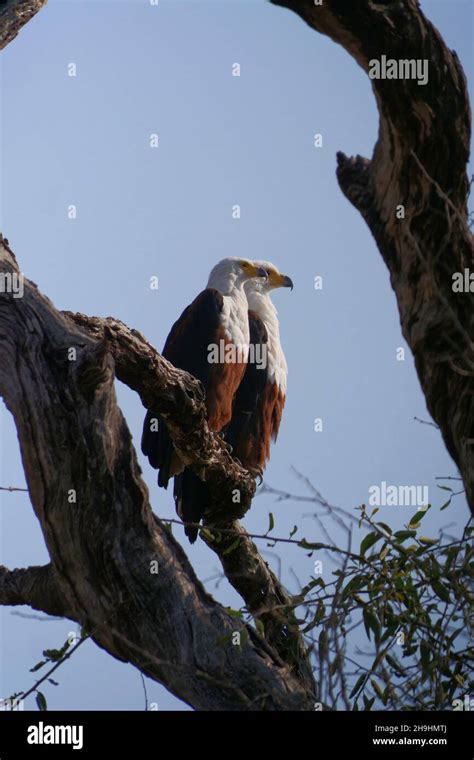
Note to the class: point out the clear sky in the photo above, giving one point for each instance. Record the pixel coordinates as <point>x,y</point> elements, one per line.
<point>167,211</point>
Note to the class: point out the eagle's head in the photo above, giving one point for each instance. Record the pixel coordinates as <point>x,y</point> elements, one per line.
<point>232,272</point>
<point>274,279</point>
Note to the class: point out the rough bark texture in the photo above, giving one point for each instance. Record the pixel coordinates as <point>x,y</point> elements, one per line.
<point>13,15</point>
<point>419,161</point>
<point>86,490</point>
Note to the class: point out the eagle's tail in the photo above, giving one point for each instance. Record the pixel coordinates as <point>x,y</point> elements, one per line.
<point>157,445</point>
<point>191,498</point>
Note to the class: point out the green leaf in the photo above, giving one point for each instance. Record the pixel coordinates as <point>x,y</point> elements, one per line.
<point>54,654</point>
<point>371,623</point>
<point>425,651</point>
<point>368,541</point>
<point>368,702</point>
<point>304,544</point>
<point>440,590</point>
<point>445,488</point>
<point>232,547</point>
<point>234,613</point>
<point>295,528</point>
<point>37,666</point>
<point>418,517</point>
<point>207,535</point>
<point>394,664</point>
<point>355,584</point>
<point>385,527</point>
<point>320,612</point>
<point>402,535</point>
<point>377,688</point>
<point>323,645</point>
<point>428,541</point>
<point>41,701</point>
<point>271,522</point>
<point>357,686</point>
<point>445,505</point>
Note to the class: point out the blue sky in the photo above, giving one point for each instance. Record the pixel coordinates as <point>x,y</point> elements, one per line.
<point>141,212</point>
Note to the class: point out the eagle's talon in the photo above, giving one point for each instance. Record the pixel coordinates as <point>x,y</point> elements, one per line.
<point>256,472</point>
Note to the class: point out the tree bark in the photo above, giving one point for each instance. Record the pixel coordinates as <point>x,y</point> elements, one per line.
<point>419,162</point>
<point>104,541</point>
<point>13,15</point>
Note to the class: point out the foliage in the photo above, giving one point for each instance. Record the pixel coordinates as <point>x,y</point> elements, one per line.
<point>411,596</point>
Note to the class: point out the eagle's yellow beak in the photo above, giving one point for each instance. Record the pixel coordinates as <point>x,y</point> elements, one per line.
<point>278,280</point>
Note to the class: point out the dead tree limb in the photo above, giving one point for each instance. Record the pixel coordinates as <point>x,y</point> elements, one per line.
<point>419,163</point>
<point>114,568</point>
<point>180,399</point>
<point>14,14</point>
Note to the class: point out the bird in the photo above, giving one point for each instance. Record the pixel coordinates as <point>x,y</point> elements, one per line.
<point>199,341</point>
<point>260,398</point>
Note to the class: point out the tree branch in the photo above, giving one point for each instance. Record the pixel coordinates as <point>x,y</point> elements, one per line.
<point>35,586</point>
<point>13,15</point>
<point>104,541</point>
<point>180,400</point>
<point>419,163</point>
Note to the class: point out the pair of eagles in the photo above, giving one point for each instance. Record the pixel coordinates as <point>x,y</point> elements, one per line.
<point>229,339</point>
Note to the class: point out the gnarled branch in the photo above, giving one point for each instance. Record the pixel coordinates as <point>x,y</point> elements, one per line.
<point>180,399</point>
<point>118,572</point>
<point>413,196</point>
<point>13,15</point>
<point>36,586</point>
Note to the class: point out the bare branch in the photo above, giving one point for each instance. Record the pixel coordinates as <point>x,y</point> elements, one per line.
<point>13,15</point>
<point>36,586</point>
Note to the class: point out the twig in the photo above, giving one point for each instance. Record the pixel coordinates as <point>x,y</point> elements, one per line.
<point>144,691</point>
<point>25,694</point>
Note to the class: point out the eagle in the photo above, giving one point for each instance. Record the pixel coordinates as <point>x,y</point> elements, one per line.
<point>214,325</point>
<point>261,396</point>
